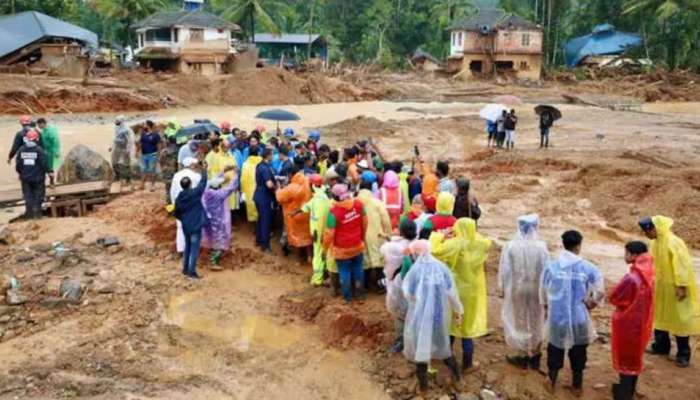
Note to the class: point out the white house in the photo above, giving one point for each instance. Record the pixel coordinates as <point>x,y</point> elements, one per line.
<point>187,41</point>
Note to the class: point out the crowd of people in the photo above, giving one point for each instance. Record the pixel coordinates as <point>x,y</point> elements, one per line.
<point>367,224</point>
<point>502,130</point>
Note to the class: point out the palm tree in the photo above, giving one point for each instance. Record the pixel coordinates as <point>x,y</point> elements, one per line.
<point>127,11</point>
<point>240,10</point>
<point>664,9</point>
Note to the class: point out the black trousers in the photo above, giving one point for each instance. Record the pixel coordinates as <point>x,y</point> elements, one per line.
<point>662,344</point>
<point>578,355</point>
<point>33,194</point>
<point>626,388</point>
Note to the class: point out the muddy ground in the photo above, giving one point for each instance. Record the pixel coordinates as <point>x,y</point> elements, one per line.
<point>257,330</point>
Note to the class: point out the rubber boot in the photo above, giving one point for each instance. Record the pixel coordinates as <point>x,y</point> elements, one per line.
<point>453,367</point>
<point>577,382</point>
<point>422,375</point>
<point>518,361</point>
<point>553,375</point>
<point>335,284</point>
<point>534,362</point>
<point>619,393</point>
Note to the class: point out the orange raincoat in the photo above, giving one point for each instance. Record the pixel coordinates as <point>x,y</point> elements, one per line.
<point>292,198</point>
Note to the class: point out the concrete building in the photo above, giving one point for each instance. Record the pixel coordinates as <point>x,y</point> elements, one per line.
<point>187,41</point>
<point>494,42</point>
<point>290,47</point>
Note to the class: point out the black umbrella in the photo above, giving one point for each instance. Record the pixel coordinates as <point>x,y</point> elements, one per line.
<point>206,128</point>
<point>553,111</point>
<point>278,115</point>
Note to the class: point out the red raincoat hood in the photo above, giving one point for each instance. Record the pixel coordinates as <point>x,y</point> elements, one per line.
<point>644,264</point>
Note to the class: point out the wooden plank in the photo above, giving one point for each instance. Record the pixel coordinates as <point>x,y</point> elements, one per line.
<point>9,197</point>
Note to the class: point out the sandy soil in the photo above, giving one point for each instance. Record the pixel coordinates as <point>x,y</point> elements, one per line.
<point>258,330</point>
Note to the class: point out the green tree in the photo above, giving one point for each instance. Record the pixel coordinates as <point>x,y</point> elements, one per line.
<point>241,10</point>
<point>127,12</point>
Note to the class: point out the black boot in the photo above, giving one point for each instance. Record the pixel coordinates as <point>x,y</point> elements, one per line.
<point>518,361</point>
<point>619,392</point>
<point>577,382</point>
<point>534,362</point>
<point>335,284</point>
<point>553,375</point>
<point>453,367</point>
<point>422,374</point>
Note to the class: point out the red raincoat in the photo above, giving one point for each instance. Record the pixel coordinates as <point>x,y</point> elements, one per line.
<point>633,319</point>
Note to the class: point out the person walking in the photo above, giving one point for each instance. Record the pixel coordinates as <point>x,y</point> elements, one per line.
<point>676,305</point>
<point>149,147</point>
<point>123,147</point>
<point>25,122</point>
<point>509,125</point>
<point>378,231</point>
<point>344,237</point>
<point>501,129</point>
<point>264,200</point>
<point>32,167</point>
<point>431,294</point>
<point>392,197</point>
<point>522,261</point>
<point>52,147</point>
<point>546,123</point>
<point>189,210</point>
<point>466,204</point>
<point>632,321</point>
<point>571,287</point>
<point>465,255</point>
<point>443,220</point>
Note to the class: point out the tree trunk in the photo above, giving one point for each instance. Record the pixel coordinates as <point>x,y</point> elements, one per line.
<point>252,23</point>
<point>311,29</point>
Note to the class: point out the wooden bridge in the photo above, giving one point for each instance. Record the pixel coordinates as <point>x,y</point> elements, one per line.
<point>60,197</point>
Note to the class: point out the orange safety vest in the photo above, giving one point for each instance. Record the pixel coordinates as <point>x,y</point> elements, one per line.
<point>392,201</point>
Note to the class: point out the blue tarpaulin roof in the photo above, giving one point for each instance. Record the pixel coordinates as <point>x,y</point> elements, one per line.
<point>604,40</point>
<point>19,30</point>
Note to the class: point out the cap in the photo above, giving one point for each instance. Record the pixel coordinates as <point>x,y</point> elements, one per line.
<point>32,135</point>
<point>363,164</point>
<point>316,180</point>
<point>368,176</point>
<point>288,132</point>
<point>646,224</point>
<point>225,125</point>
<point>189,161</point>
<point>315,135</point>
<point>25,120</point>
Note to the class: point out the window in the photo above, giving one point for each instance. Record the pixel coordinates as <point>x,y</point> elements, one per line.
<point>158,35</point>
<point>454,38</point>
<point>523,65</point>
<point>460,39</point>
<point>196,35</point>
<point>176,35</point>
<point>526,40</point>
<point>141,40</point>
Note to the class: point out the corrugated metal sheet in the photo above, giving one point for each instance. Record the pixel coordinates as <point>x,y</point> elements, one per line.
<point>604,40</point>
<point>20,30</point>
<point>196,19</point>
<point>494,18</point>
<point>286,38</point>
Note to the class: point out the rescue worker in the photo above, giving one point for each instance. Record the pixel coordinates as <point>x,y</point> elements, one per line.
<point>317,208</point>
<point>465,255</point>
<point>25,122</point>
<point>378,232</point>
<point>292,197</point>
<point>522,261</point>
<point>123,150</point>
<point>51,144</point>
<point>676,306</point>
<point>171,130</point>
<point>32,167</point>
<point>264,200</point>
<point>169,164</point>
<point>632,321</point>
<point>392,198</point>
<point>570,288</point>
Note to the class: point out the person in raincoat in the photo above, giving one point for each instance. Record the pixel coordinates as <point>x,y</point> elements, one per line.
<point>633,320</point>
<point>431,294</point>
<point>239,151</point>
<point>393,253</point>
<point>317,208</point>
<point>216,235</point>
<point>292,197</point>
<point>264,200</point>
<point>378,232</point>
<point>676,306</point>
<point>248,185</point>
<point>344,238</point>
<point>171,130</point>
<point>403,185</point>
<point>123,150</point>
<point>52,146</point>
<point>419,215</point>
<point>219,160</point>
<point>522,261</point>
<point>570,288</point>
<point>430,185</point>
<point>466,254</point>
<point>391,197</point>
<point>443,220</point>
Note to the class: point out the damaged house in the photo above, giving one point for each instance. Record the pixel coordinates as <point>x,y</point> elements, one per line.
<point>45,44</point>
<point>190,41</point>
<point>495,42</point>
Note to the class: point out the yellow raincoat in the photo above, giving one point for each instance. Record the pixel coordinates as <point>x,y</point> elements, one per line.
<point>248,186</point>
<point>466,254</point>
<point>673,268</point>
<point>318,208</point>
<point>216,164</point>
<point>378,228</point>
<point>403,184</point>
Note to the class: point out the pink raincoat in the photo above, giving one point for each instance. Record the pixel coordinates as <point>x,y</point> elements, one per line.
<point>217,233</point>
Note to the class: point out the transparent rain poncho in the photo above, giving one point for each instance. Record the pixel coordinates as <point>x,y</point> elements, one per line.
<point>431,294</point>
<point>393,254</point>
<point>522,261</point>
<point>566,284</point>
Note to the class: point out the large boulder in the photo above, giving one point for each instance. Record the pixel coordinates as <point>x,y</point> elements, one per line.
<point>84,165</point>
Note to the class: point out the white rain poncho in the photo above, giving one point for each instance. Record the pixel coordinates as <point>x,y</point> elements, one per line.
<point>431,293</point>
<point>522,261</point>
<point>566,284</point>
<point>393,253</point>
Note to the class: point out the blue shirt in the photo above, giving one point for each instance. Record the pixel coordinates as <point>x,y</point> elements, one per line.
<point>240,156</point>
<point>263,174</point>
<point>149,143</point>
<point>189,208</point>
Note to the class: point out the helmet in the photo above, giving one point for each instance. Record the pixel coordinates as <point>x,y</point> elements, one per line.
<point>315,135</point>
<point>32,135</point>
<point>225,125</point>
<point>288,132</point>
<point>25,120</point>
<point>316,180</point>
<point>368,176</point>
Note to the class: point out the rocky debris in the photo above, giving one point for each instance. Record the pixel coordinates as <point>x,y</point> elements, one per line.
<point>82,164</point>
<point>71,289</point>
<point>108,241</point>
<point>6,235</point>
<point>487,394</point>
<point>468,396</point>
